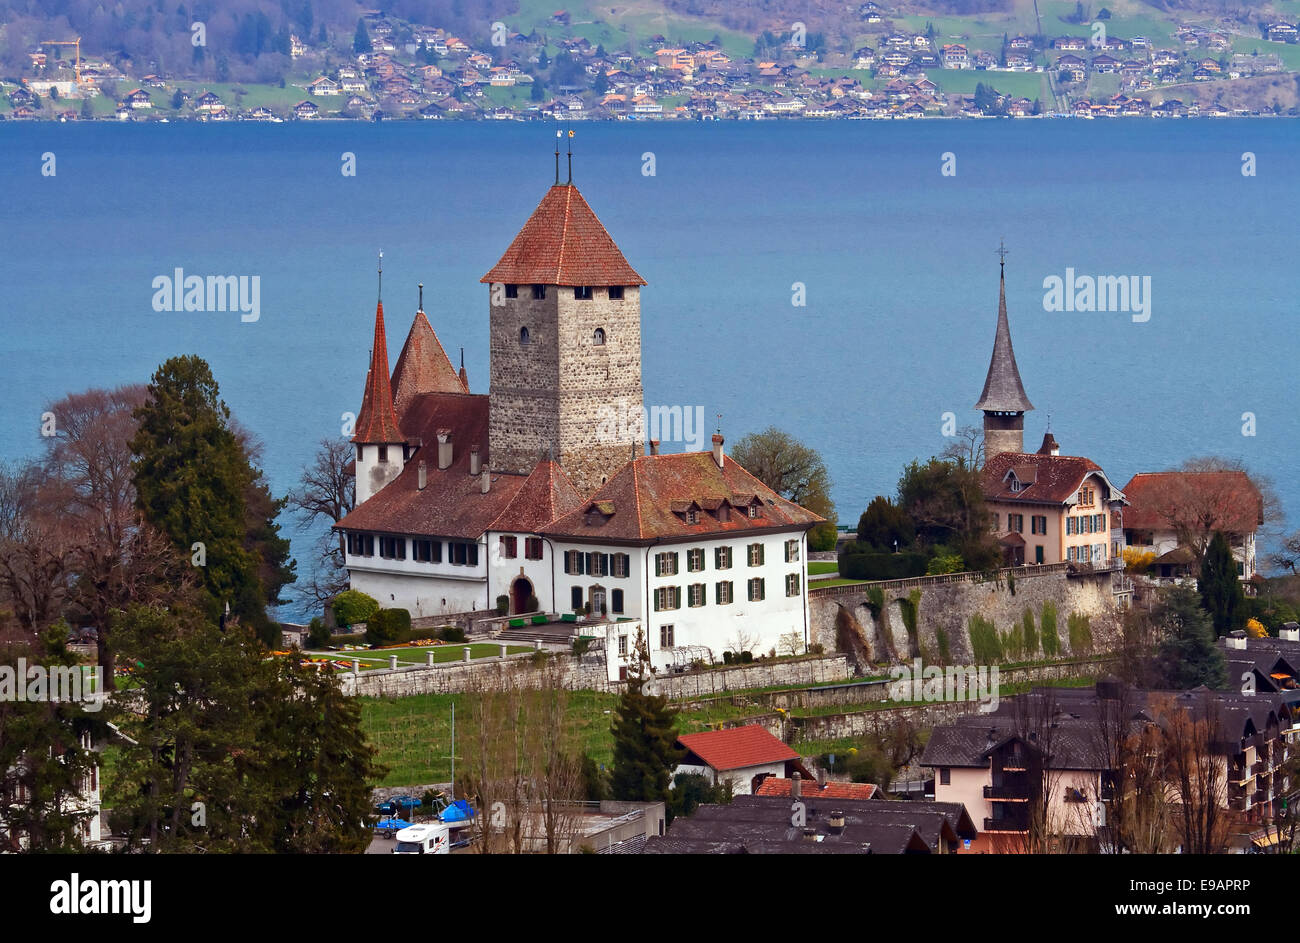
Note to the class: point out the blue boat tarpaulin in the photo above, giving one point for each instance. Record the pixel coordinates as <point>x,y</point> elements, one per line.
<point>458,811</point>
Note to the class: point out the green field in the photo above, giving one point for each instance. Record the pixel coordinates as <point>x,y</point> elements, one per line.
<point>822,566</point>
<point>415,655</point>
<point>1029,85</point>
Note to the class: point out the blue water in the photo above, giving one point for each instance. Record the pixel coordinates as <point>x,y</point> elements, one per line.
<point>898,262</point>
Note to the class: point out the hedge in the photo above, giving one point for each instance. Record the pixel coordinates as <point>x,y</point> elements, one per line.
<point>870,565</point>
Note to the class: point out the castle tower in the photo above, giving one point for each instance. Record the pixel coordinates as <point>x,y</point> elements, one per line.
<point>423,365</point>
<point>565,374</point>
<point>381,446</point>
<point>1004,401</point>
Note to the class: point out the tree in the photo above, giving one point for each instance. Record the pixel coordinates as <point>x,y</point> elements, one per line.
<point>645,738</point>
<point>352,607</point>
<point>795,472</point>
<point>884,526</point>
<point>1187,655</point>
<point>692,790</point>
<point>361,40</point>
<point>1197,789</point>
<point>1221,593</point>
<point>945,502</point>
<point>36,548</point>
<point>1205,495</point>
<point>966,448</point>
<point>195,481</point>
<point>324,496</point>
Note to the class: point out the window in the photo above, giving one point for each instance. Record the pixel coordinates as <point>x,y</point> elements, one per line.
<point>692,517</point>
<point>668,597</point>
<point>361,545</point>
<point>754,510</point>
<point>995,522</point>
<point>722,558</point>
<point>575,597</point>
<point>512,291</point>
<point>665,564</point>
<point>945,776</point>
<point>616,601</point>
<point>1038,553</point>
<point>575,562</point>
<point>460,553</point>
<point>792,584</point>
<point>1015,484</point>
<point>509,547</point>
<point>757,591</point>
<point>361,453</point>
<point>1070,525</point>
<point>383,453</point>
<point>755,554</point>
<point>582,293</point>
<point>1100,526</point>
<point>1087,497</point>
<point>618,567</point>
<point>695,595</point>
<point>1038,524</point>
<point>622,646</point>
<point>724,593</point>
<point>598,564</point>
<point>426,551</point>
<point>792,551</point>
<point>665,636</point>
<point>1016,523</point>
<point>598,337</point>
<point>615,292</point>
<point>695,560</point>
<point>539,292</point>
<point>532,548</point>
<point>392,548</point>
<point>524,339</point>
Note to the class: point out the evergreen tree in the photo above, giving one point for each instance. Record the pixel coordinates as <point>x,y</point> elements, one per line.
<point>645,736</point>
<point>883,523</point>
<point>1187,656</point>
<point>194,481</point>
<point>1221,592</point>
<point>361,41</point>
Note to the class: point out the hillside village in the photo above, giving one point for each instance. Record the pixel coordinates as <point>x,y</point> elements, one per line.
<point>894,66</point>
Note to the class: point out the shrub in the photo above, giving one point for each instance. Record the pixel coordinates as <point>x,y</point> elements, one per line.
<point>389,627</point>
<point>746,657</point>
<point>452,633</point>
<point>353,606</point>
<point>945,653</point>
<point>533,605</point>
<point>944,563</point>
<point>318,633</point>
<point>349,638</point>
<point>1047,621</point>
<point>580,645</point>
<point>858,564</point>
<point>985,643</point>
<point>1080,629</point>
<point>817,648</point>
<point>503,604</point>
<point>728,658</point>
<point>1031,634</point>
<point>1255,629</point>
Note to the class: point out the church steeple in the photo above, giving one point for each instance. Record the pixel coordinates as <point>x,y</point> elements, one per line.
<point>1003,400</point>
<point>377,421</point>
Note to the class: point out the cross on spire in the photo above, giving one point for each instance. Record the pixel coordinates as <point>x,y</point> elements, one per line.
<point>381,274</point>
<point>1002,254</point>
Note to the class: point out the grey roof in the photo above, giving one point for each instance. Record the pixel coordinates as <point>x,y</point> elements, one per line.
<point>1003,391</point>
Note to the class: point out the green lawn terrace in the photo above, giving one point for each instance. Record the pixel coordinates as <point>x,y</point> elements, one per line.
<point>407,656</point>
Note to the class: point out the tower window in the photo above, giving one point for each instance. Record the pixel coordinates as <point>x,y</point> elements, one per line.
<point>383,453</point>
<point>523,336</point>
<point>512,291</point>
<point>361,453</point>
<point>539,292</point>
<point>582,293</point>
<point>598,337</point>
<point>615,292</point>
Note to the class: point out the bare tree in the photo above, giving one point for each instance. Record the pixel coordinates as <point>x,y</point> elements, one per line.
<point>1134,817</point>
<point>966,447</point>
<point>556,762</point>
<point>324,496</point>
<point>36,547</point>
<point>1211,494</point>
<point>1193,740</point>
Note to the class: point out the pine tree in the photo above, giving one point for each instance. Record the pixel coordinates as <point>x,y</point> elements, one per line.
<point>645,736</point>
<point>361,41</point>
<point>1188,656</point>
<point>1221,593</point>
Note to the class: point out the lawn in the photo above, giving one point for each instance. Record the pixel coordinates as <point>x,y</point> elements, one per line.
<point>963,81</point>
<point>816,567</point>
<point>415,655</point>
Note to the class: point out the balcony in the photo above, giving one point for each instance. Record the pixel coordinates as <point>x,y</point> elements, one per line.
<point>1007,793</point>
<point>1009,826</point>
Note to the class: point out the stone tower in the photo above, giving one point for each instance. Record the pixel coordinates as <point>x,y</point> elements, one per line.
<point>565,345</point>
<point>1004,401</point>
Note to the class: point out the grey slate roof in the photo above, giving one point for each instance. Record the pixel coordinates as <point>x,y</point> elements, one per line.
<point>1003,391</point>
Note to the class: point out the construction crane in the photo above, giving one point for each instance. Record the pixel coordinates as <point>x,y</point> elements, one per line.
<point>76,68</point>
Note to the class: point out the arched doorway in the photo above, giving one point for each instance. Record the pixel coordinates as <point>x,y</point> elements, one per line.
<point>521,590</point>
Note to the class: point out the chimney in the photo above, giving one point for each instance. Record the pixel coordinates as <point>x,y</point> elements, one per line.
<point>487,481</point>
<point>423,478</point>
<point>444,449</point>
<point>810,834</point>
<point>795,790</point>
<point>474,467</point>
<point>821,777</point>
<point>654,446</point>
<point>717,448</point>
<point>1290,632</point>
<point>835,824</point>
<point>1237,639</point>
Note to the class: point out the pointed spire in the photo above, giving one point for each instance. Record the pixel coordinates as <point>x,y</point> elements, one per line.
<point>1003,390</point>
<point>420,307</point>
<point>377,421</point>
<point>464,377</point>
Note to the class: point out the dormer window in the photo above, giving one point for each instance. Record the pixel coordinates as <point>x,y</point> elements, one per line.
<point>524,338</point>
<point>1015,483</point>
<point>754,510</point>
<point>615,292</point>
<point>692,517</point>
<point>539,292</point>
<point>582,293</point>
<point>598,337</point>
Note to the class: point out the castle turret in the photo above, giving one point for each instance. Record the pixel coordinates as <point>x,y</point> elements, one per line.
<point>381,446</point>
<point>565,374</point>
<point>1003,401</point>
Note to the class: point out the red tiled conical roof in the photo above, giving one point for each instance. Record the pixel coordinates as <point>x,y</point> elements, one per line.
<point>377,421</point>
<point>423,366</point>
<point>563,243</point>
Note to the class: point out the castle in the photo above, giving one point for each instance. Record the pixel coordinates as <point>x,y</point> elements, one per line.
<point>463,498</point>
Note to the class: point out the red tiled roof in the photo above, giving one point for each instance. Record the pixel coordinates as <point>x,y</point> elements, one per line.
<point>1055,477</point>
<point>563,243</point>
<point>423,366</point>
<point>546,495</point>
<point>737,748</point>
<point>1228,496</point>
<point>644,500</point>
<point>377,421</point>
<point>780,786</point>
